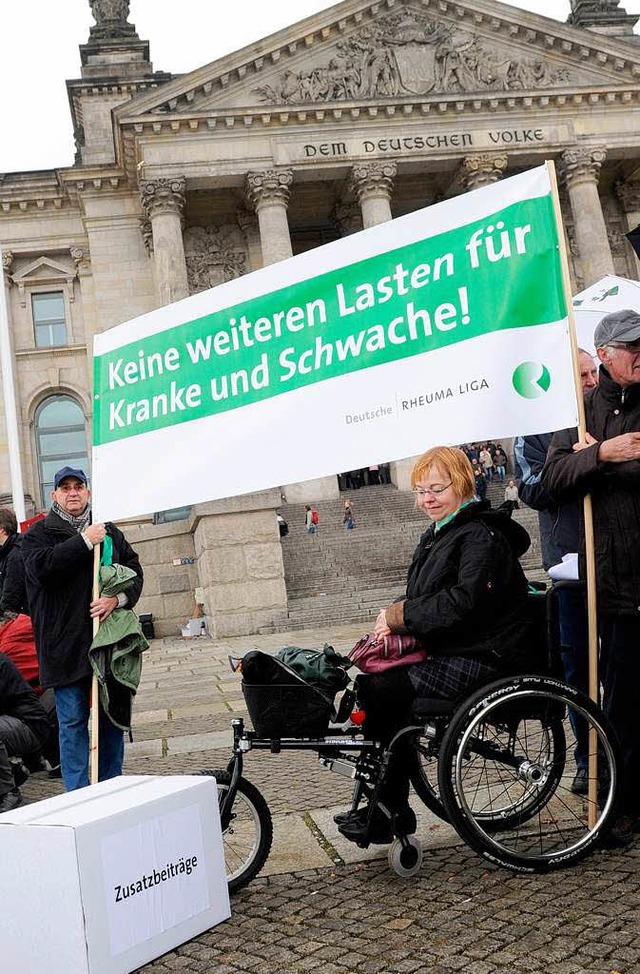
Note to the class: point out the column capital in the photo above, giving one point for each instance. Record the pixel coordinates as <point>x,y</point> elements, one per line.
<point>373,180</point>
<point>482,169</point>
<point>163,195</point>
<point>269,187</point>
<point>628,192</point>
<point>582,163</point>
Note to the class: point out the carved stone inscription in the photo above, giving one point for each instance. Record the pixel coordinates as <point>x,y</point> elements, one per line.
<point>409,54</point>
<point>405,144</point>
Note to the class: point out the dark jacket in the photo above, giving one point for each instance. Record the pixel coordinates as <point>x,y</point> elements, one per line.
<point>560,524</point>
<point>614,488</point>
<point>18,699</point>
<point>13,590</point>
<point>59,572</point>
<point>466,591</point>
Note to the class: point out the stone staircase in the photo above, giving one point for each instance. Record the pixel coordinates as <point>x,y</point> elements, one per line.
<point>337,576</point>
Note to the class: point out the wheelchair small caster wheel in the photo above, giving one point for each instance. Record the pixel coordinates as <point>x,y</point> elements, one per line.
<point>405,856</point>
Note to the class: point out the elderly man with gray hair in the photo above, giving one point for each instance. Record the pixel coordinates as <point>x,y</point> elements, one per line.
<point>607,466</point>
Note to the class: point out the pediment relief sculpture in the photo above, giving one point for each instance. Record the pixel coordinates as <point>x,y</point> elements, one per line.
<point>408,54</point>
<point>214,255</point>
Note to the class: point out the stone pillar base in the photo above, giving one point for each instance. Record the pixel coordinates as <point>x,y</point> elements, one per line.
<point>312,491</point>
<point>237,545</point>
<point>401,473</point>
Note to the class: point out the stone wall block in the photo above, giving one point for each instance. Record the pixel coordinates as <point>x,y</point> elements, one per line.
<point>179,607</point>
<point>221,565</point>
<point>264,560</point>
<point>245,596</point>
<point>180,582</point>
<point>234,529</point>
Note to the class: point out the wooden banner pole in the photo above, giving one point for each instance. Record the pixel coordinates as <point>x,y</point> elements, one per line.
<point>95,698</point>
<point>588,509</point>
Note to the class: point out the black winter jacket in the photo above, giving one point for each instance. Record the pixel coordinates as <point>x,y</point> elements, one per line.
<point>59,572</point>
<point>13,590</point>
<point>560,524</point>
<point>615,491</point>
<point>18,699</point>
<point>466,591</point>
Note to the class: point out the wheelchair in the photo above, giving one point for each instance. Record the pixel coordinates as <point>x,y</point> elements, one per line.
<point>497,766</point>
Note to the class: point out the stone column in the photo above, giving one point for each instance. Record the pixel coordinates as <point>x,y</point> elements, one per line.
<point>629,195</point>
<point>482,169</point>
<point>163,201</point>
<point>580,168</point>
<point>268,193</point>
<point>372,184</point>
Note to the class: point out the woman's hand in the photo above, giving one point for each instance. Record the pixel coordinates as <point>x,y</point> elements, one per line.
<point>381,628</point>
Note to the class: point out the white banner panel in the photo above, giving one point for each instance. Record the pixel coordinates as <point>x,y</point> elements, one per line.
<point>433,328</point>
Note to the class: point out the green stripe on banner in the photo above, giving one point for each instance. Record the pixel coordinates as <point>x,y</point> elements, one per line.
<point>499,273</point>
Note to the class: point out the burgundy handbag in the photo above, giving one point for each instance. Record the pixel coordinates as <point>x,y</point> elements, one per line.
<point>372,655</point>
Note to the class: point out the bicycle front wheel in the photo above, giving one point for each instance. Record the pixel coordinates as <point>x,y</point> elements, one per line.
<point>247,830</point>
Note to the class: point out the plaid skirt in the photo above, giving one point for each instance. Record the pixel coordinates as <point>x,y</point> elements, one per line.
<point>450,677</point>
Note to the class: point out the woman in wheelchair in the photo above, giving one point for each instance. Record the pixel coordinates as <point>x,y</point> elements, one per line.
<point>466,601</point>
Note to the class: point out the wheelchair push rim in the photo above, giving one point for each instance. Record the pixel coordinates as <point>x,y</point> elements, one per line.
<point>506,768</point>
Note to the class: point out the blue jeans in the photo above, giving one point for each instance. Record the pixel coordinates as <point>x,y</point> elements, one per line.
<point>73,705</point>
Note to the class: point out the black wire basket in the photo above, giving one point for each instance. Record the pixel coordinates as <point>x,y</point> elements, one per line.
<point>295,710</point>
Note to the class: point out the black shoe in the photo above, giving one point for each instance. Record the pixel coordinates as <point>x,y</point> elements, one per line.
<point>341,817</point>
<point>20,772</point>
<point>55,771</point>
<point>10,800</point>
<point>580,783</point>
<point>621,833</point>
<point>381,829</point>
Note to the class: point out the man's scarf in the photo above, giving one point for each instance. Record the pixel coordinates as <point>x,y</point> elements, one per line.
<point>77,523</point>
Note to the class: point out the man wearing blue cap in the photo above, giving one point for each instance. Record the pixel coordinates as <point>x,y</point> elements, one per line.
<point>58,557</point>
<point>607,466</point>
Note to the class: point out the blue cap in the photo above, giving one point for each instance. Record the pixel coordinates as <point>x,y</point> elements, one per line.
<point>68,472</point>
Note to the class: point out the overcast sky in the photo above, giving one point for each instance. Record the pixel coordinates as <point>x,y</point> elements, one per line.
<point>39,51</point>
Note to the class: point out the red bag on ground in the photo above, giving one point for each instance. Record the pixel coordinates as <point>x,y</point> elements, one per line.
<point>372,655</point>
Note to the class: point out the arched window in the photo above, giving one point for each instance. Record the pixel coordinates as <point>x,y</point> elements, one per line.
<point>60,440</point>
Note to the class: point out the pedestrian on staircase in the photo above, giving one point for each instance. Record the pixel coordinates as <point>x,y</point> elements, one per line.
<point>348,519</point>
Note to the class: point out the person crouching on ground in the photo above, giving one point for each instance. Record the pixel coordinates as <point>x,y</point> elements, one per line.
<point>58,558</point>
<point>465,600</point>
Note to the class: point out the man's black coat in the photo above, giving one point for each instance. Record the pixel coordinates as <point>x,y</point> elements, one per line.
<point>59,573</point>
<point>614,487</point>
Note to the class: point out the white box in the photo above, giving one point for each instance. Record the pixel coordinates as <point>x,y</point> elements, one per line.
<point>107,878</point>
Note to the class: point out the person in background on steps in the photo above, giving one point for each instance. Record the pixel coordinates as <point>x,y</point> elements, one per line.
<point>465,601</point>
<point>511,495</point>
<point>348,519</point>
<point>310,525</point>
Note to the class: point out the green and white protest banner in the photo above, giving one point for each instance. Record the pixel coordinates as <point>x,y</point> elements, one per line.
<point>443,326</point>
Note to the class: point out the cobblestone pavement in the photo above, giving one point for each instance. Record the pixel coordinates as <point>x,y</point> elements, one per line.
<point>344,911</point>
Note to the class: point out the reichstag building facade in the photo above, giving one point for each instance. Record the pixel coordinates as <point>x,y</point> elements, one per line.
<point>364,112</point>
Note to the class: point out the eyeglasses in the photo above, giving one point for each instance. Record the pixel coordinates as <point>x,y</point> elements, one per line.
<point>628,346</point>
<point>434,491</point>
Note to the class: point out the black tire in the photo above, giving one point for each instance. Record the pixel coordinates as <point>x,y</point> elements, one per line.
<point>248,833</point>
<point>505,771</point>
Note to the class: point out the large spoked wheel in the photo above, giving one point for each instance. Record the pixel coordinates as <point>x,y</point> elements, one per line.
<point>424,773</point>
<point>247,831</point>
<point>505,772</point>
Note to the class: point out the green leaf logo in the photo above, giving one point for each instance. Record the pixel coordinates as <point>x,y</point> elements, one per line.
<point>531,380</point>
